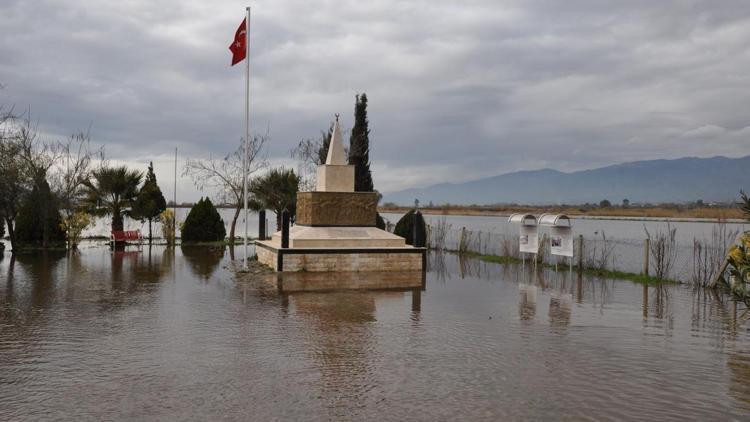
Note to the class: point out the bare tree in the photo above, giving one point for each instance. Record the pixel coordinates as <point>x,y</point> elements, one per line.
<point>37,157</point>
<point>77,160</point>
<point>12,183</point>
<point>27,161</point>
<point>225,174</point>
<point>310,153</point>
<point>11,176</point>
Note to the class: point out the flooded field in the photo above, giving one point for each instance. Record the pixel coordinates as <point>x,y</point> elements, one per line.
<point>177,335</point>
<point>621,240</point>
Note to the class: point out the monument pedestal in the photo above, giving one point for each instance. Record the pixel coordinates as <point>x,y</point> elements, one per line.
<point>336,229</point>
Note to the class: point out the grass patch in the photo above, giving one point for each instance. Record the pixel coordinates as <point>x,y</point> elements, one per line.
<point>596,272</point>
<point>621,275</point>
<point>498,259</point>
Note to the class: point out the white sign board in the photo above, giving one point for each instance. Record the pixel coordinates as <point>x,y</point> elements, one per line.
<point>561,241</point>
<point>528,239</point>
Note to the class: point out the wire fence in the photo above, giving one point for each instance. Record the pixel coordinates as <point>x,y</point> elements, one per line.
<point>657,254</point>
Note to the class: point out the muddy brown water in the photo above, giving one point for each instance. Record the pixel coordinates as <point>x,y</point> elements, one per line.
<point>176,335</point>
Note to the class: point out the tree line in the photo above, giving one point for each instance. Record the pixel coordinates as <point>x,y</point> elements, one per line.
<point>50,189</point>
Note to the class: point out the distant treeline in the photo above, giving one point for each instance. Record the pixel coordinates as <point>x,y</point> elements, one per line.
<point>696,209</point>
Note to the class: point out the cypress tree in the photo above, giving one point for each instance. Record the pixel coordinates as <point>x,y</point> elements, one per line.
<point>359,147</point>
<point>150,202</point>
<point>325,142</point>
<point>2,232</point>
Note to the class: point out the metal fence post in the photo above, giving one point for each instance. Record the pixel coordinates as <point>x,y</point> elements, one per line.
<point>285,229</point>
<point>580,253</point>
<point>262,224</point>
<point>646,246</point>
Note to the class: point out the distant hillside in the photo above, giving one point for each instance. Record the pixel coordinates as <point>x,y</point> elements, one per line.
<point>655,181</point>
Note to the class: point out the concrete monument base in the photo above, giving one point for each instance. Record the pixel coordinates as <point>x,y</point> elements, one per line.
<point>340,259</point>
<point>339,237</point>
<point>383,280</point>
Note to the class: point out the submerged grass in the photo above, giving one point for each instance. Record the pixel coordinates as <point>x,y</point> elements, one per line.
<point>596,272</point>
<point>621,275</point>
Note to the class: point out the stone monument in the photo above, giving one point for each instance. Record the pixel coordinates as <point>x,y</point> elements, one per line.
<point>336,228</point>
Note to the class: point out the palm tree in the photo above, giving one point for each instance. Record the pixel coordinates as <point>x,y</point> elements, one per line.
<point>745,204</point>
<point>112,190</point>
<point>277,190</point>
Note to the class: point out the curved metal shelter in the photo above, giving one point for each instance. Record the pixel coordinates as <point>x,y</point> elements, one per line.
<point>554,220</point>
<point>523,219</point>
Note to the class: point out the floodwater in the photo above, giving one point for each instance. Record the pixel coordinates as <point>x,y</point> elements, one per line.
<point>176,335</point>
<point>614,228</point>
<point>623,237</point>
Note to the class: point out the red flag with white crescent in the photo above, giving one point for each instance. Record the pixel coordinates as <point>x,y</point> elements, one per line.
<point>238,46</point>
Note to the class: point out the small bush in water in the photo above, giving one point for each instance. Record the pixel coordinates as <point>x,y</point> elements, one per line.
<point>167,226</point>
<point>203,223</point>
<point>73,226</point>
<point>405,228</point>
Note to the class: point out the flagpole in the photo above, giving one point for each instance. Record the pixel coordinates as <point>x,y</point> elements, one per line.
<point>174,207</point>
<point>247,124</point>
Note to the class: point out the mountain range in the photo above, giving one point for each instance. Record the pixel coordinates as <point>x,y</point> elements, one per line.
<point>715,179</point>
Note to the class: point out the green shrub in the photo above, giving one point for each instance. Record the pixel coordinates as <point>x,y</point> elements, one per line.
<point>167,226</point>
<point>379,222</point>
<point>32,221</point>
<point>405,228</point>
<point>74,225</point>
<point>203,223</point>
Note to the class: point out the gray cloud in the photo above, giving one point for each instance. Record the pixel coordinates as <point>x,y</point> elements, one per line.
<point>457,91</point>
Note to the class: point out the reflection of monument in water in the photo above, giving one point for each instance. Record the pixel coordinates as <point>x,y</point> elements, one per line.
<point>342,342</point>
<point>336,231</point>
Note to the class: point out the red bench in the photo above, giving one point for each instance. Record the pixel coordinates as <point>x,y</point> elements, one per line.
<point>125,236</point>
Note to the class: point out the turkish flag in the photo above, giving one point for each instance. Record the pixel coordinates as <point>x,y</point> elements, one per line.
<point>238,46</point>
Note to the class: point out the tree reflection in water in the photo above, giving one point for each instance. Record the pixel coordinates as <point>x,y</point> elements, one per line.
<point>203,260</point>
<point>41,269</point>
<point>31,284</point>
<point>150,265</point>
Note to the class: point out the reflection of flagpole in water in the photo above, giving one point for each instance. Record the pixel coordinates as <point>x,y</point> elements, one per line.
<point>174,204</point>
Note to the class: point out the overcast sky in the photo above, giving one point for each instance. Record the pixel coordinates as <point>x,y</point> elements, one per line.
<point>457,90</point>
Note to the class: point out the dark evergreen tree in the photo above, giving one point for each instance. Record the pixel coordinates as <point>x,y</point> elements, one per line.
<point>359,146</point>
<point>325,142</point>
<point>39,218</point>
<point>2,233</point>
<point>380,222</point>
<point>150,202</point>
<point>203,223</point>
<point>405,228</point>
